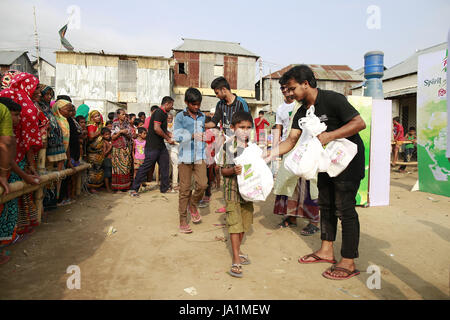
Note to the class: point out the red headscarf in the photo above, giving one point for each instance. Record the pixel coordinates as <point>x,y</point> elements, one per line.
<point>21,89</point>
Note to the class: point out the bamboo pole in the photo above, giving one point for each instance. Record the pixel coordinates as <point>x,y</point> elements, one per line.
<point>20,188</point>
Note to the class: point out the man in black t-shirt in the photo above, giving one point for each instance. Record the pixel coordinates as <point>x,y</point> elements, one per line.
<point>336,195</point>
<point>155,149</point>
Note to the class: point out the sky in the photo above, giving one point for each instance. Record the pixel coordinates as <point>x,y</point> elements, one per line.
<point>280,32</point>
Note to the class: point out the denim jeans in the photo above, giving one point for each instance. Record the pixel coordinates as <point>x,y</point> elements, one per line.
<point>337,199</point>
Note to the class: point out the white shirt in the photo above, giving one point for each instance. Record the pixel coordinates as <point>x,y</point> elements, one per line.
<point>283,117</point>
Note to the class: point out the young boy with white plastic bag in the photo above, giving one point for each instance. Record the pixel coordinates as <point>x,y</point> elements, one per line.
<point>239,212</point>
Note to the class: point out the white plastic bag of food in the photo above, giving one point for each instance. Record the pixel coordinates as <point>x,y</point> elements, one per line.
<point>308,157</point>
<point>256,180</point>
<point>340,152</point>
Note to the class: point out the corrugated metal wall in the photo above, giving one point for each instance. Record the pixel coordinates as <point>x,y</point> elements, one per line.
<point>152,85</point>
<point>207,62</point>
<point>246,73</point>
<point>127,81</point>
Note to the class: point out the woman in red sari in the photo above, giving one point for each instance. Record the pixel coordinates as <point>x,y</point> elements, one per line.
<point>22,89</point>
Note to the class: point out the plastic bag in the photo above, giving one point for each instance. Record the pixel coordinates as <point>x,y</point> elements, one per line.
<point>309,156</point>
<point>340,152</point>
<point>256,180</point>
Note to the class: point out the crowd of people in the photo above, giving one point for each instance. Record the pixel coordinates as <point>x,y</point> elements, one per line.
<point>193,152</point>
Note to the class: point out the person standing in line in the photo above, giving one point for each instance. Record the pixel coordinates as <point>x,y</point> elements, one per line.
<point>189,132</point>
<point>138,150</point>
<point>336,195</point>
<point>173,153</point>
<point>155,149</point>
<point>122,159</point>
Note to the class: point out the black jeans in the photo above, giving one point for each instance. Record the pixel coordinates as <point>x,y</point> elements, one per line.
<point>151,157</point>
<point>337,200</point>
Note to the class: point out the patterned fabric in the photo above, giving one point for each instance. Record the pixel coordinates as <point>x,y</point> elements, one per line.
<point>55,144</point>
<point>9,213</point>
<point>7,77</point>
<point>122,141</point>
<point>62,121</point>
<point>300,204</point>
<point>21,89</point>
<point>95,158</point>
<point>226,157</point>
<point>121,166</point>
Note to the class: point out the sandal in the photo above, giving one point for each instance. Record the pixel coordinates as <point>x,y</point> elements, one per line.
<point>236,267</point>
<point>317,259</point>
<point>134,194</point>
<point>246,259</point>
<point>286,223</point>
<point>221,210</point>
<point>309,230</point>
<point>350,274</point>
<point>185,229</point>
<point>196,218</point>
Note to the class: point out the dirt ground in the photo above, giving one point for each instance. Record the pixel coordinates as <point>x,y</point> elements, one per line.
<point>147,259</point>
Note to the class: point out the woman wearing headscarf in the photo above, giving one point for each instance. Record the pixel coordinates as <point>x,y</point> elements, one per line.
<point>83,110</point>
<point>95,150</point>
<point>62,110</point>
<point>122,134</point>
<point>22,89</point>
<point>55,146</point>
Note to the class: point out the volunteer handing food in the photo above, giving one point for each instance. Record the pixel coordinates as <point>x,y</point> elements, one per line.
<point>336,195</point>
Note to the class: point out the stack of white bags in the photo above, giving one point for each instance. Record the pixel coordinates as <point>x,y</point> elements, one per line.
<point>309,157</point>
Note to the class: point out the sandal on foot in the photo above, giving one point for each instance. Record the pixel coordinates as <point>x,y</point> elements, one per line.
<point>317,259</point>
<point>236,267</point>
<point>286,223</point>
<point>185,229</point>
<point>246,259</point>
<point>309,230</point>
<point>328,274</point>
<point>134,194</point>
<point>221,210</point>
<point>196,218</point>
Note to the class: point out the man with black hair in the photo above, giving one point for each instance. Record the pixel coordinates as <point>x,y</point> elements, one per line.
<point>155,149</point>
<point>188,131</point>
<point>141,115</point>
<point>336,195</point>
<point>147,120</point>
<point>111,116</point>
<point>229,104</point>
<point>63,97</point>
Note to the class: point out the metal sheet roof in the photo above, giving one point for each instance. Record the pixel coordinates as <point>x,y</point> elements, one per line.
<point>8,57</point>
<point>324,72</point>
<point>208,46</point>
<point>409,65</point>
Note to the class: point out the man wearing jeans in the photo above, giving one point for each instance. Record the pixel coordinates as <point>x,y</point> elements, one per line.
<point>155,149</point>
<point>189,132</point>
<point>336,195</point>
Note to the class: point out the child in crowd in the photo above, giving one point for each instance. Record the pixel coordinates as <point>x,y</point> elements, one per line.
<point>239,213</point>
<point>111,117</point>
<point>409,147</point>
<point>139,123</point>
<point>138,149</point>
<point>108,124</point>
<point>173,153</point>
<point>84,135</point>
<point>107,163</point>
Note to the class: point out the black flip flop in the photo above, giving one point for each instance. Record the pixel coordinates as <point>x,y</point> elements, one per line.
<point>289,223</point>
<point>309,230</point>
